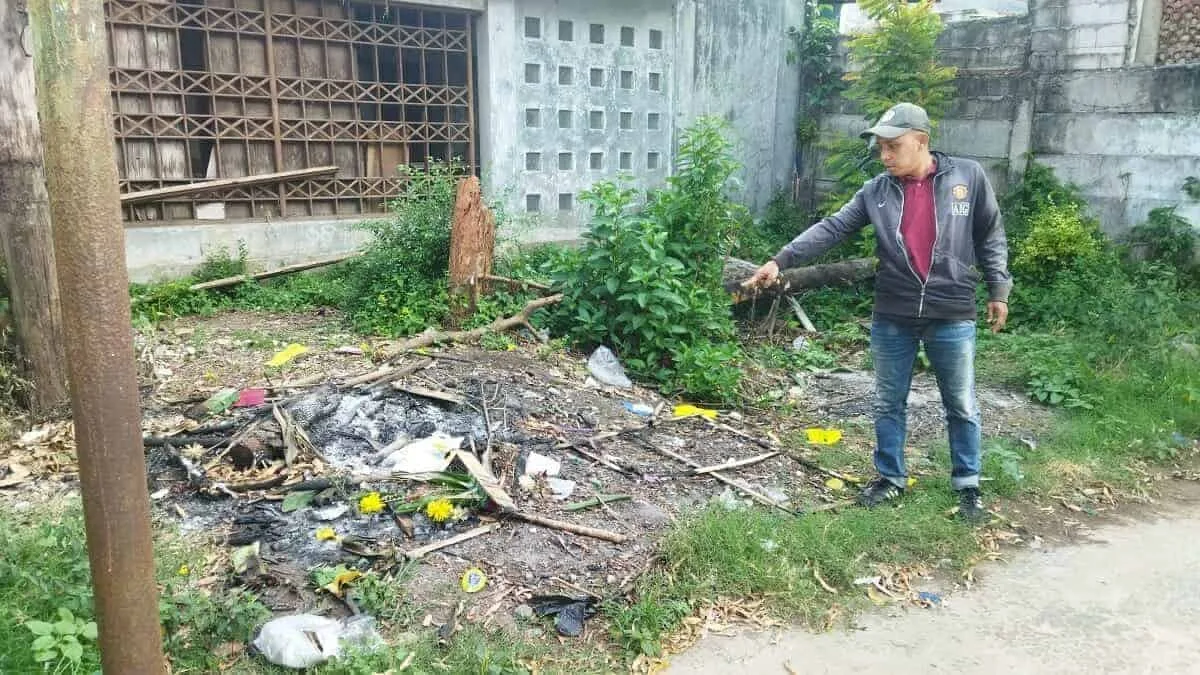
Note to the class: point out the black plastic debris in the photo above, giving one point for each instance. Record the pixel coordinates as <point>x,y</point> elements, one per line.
<point>571,612</point>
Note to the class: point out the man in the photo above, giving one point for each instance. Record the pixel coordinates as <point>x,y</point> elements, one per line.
<point>935,217</point>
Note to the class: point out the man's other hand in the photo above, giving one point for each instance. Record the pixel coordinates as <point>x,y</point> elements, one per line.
<point>763,276</point>
<point>997,315</point>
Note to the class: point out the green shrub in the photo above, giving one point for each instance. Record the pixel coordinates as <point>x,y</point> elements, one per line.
<point>1060,239</point>
<point>221,264</point>
<point>1038,190</point>
<point>647,281</point>
<point>399,285</point>
<point>1169,238</point>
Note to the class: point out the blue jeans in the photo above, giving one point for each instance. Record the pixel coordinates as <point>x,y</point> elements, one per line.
<point>950,346</point>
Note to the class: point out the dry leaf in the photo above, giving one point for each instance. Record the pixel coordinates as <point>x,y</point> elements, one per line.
<point>342,580</point>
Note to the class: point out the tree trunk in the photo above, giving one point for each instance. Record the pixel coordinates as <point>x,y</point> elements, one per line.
<point>796,279</point>
<point>25,219</point>
<point>472,245</point>
<point>75,114</point>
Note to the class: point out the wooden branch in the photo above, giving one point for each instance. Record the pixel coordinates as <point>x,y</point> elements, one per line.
<point>603,535</point>
<point>795,279</point>
<point>734,465</point>
<point>222,183</point>
<point>290,269</point>
<point>387,373</point>
<point>756,496</point>
<point>431,337</point>
<point>598,459</point>
<point>443,396</point>
<point>517,283</point>
<point>600,500</point>
<point>418,553</point>
<point>801,315</point>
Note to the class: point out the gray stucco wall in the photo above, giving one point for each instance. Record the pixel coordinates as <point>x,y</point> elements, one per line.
<point>710,57</point>
<point>733,64</point>
<point>1064,82</point>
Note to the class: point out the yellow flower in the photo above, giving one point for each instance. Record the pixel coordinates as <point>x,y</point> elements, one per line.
<point>439,510</point>
<point>184,570</point>
<point>823,436</point>
<point>370,503</point>
<point>325,534</point>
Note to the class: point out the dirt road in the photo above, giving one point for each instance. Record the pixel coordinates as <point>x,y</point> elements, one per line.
<point>1129,603</point>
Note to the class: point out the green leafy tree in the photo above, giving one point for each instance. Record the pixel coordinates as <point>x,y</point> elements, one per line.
<point>896,62</point>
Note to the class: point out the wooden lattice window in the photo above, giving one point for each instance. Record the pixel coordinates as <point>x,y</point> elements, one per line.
<point>225,88</point>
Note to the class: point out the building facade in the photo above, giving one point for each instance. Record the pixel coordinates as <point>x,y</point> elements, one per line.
<point>541,97</point>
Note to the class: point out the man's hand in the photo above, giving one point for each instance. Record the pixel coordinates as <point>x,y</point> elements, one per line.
<point>997,315</point>
<point>763,276</point>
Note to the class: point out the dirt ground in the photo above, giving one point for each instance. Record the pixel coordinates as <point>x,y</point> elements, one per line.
<point>1124,602</point>
<point>513,404</point>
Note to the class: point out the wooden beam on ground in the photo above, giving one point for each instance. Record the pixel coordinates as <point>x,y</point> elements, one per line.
<point>290,269</point>
<point>222,183</point>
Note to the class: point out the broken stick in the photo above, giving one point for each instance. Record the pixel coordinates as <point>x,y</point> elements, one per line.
<point>756,496</point>
<point>736,464</point>
<point>598,459</point>
<point>418,553</point>
<point>802,461</point>
<point>423,392</point>
<point>595,533</point>
<point>431,337</point>
<point>387,373</point>
<point>516,283</point>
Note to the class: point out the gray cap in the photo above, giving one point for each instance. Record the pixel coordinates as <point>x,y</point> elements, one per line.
<point>899,120</point>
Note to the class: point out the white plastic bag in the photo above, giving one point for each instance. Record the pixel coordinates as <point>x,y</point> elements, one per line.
<point>307,640</point>
<point>299,640</point>
<point>428,455</point>
<point>604,366</point>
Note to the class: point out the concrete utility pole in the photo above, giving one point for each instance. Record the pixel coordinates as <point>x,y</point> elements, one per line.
<point>71,68</point>
<point>25,219</point>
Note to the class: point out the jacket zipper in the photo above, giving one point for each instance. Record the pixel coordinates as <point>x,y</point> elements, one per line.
<point>937,232</point>
<point>904,248</point>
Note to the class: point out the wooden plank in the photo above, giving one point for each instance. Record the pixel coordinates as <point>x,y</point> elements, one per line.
<point>418,553</point>
<point>486,480</point>
<point>206,186</point>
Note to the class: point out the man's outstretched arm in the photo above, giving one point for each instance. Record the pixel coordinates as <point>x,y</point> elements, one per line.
<point>816,240</point>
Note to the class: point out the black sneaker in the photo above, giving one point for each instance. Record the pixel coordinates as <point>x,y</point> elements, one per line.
<point>879,491</point>
<point>970,506</point>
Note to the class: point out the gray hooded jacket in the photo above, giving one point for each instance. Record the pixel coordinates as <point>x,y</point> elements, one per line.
<point>970,237</point>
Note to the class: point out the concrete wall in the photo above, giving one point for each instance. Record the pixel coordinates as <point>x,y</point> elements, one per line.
<point>697,63</point>
<point>1066,83</point>
<point>569,93</point>
<point>687,58</point>
<point>733,63</point>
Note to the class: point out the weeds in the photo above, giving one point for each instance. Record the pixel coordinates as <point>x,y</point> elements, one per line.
<point>648,280</point>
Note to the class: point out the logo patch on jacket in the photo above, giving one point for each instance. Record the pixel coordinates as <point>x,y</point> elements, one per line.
<point>960,192</point>
<point>960,208</point>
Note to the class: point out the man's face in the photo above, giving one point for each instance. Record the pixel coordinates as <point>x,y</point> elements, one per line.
<point>904,156</point>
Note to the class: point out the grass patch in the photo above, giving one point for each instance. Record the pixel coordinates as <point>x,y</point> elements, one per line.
<point>754,553</point>
<point>44,572</point>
